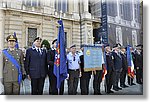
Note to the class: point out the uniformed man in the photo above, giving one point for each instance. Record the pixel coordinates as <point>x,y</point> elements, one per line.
<point>139,64</point>
<point>52,78</point>
<point>117,66</point>
<point>110,68</point>
<point>36,66</point>
<point>74,70</point>
<point>13,67</point>
<point>124,67</point>
<point>85,78</point>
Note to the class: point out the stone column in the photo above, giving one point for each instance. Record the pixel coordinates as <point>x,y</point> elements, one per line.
<point>118,18</point>
<point>76,9</point>
<point>52,6</point>
<point>133,18</point>
<point>86,13</point>
<point>76,6</point>
<point>70,2</point>
<point>85,6</point>
<point>1,40</point>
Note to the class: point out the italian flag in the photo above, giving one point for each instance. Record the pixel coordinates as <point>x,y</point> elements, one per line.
<point>130,63</point>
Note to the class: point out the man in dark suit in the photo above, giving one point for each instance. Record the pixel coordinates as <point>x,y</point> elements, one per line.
<point>36,66</point>
<point>117,66</point>
<point>124,67</point>
<point>138,64</point>
<point>110,69</point>
<point>52,78</point>
<point>85,77</point>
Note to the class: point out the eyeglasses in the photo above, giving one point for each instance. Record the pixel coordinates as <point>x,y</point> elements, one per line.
<point>74,58</point>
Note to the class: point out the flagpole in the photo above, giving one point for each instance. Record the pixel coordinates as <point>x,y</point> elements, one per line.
<point>60,15</point>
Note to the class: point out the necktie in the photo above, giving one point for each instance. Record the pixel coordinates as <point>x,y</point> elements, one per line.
<point>39,51</point>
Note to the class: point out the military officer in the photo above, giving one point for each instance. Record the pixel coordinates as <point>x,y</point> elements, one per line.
<point>13,67</point>
<point>117,66</point>
<point>124,67</point>
<point>110,69</point>
<point>138,64</point>
<point>74,70</point>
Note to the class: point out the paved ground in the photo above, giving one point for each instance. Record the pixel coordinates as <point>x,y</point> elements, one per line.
<point>131,90</point>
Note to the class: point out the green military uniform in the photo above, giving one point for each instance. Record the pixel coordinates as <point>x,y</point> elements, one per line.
<point>10,72</point>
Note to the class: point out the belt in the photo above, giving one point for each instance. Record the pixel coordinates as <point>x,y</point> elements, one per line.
<point>73,69</point>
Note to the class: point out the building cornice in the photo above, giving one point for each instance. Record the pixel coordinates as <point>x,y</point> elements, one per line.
<point>121,22</point>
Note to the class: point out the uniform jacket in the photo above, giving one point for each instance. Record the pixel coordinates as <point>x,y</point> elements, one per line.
<point>36,64</point>
<point>10,72</point>
<point>50,60</point>
<point>138,60</point>
<point>109,61</point>
<point>124,62</point>
<point>117,61</point>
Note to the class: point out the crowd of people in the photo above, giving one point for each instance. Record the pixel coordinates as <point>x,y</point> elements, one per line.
<point>38,63</point>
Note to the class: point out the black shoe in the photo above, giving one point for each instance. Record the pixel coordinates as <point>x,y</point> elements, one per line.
<point>133,84</point>
<point>119,88</point>
<point>116,89</point>
<point>129,84</point>
<point>97,94</point>
<point>110,91</point>
<point>123,86</point>
<point>139,82</point>
<point>126,86</point>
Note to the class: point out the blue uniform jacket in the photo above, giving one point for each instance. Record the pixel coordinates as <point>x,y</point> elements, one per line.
<point>117,61</point>
<point>36,64</point>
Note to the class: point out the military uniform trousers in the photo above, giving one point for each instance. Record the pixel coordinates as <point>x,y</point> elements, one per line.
<point>84,83</point>
<point>109,80</point>
<point>37,85</point>
<point>11,85</point>
<point>139,75</point>
<point>123,77</point>
<point>73,81</point>
<point>12,88</point>
<point>97,81</point>
<point>53,85</point>
<point>116,78</point>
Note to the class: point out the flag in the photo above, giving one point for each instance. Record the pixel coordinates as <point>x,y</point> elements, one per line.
<point>104,66</point>
<point>60,66</point>
<point>17,45</point>
<point>130,63</point>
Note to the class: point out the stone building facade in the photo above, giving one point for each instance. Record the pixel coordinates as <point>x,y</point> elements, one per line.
<point>32,18</point>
